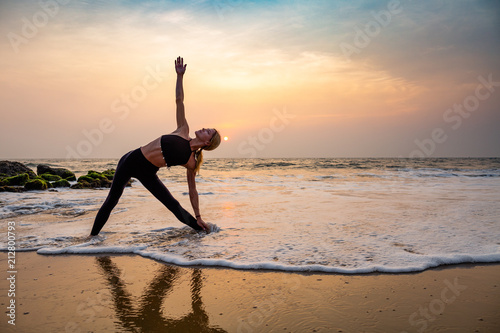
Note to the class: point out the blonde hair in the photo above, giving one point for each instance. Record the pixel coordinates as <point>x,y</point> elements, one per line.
<point>214,143</point>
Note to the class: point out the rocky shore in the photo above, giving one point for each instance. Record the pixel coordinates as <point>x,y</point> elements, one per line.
<point>17,177</point>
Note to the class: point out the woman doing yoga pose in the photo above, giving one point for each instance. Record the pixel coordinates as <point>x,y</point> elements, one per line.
<point>176,148</point>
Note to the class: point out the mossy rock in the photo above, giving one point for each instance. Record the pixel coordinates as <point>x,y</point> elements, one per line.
<point>85,184</point>
<point>61,172</point>
<point>103,182</point>
<point>94,179</point>
<point>110,173</point>
<point>61,183</point>
<point>85,178</point>
<point>11,168</point>
<point>106,183</point>
<point>80,185</point>
<point>50,178</point>
<point>36,184</point>
<point>11,189</point>
<point>18,180</point>
<point>68,175</point>
<point>96,175</point>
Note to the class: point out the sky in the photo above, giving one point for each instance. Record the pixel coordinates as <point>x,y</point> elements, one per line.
<point>397,78</point>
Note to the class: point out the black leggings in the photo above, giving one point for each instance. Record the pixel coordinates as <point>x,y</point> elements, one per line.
<point>134,164</point>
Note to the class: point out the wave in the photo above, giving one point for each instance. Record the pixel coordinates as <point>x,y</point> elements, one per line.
<point>449,173</point>
<point>431,262</point>
<point>273,165</point>
<point>60,207</point>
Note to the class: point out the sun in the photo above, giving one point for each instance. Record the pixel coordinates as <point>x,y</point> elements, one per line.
<point>226,138</point>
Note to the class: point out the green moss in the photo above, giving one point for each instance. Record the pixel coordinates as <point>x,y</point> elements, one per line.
<point>61,183</point>
<point>110,173</point>
<point>96,175</point>
<point>36,184</point>
<point>68,175</point>
<point>85,178</point>
<point>95,179</point>
<point>84,184</point>
<point>18,180</point>
<point>78,186</point>
<point>50,178</point>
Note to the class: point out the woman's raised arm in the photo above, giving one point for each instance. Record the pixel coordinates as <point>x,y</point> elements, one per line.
<point>180,69</point>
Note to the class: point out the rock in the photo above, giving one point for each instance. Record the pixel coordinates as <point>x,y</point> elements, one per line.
<point>68,175</point>
<point>90,182</point>
<point>93,179</point>
<point>18,180</point>
<point>82,185</point>
<point>10,169</point>
<point>79,186</point>
<point>110,173</point>
<point>96,175</point>
<point>85,184</point>
<point>11,189</point>
<point>36,184</point>
<point>61,183</point>
<point>61,172</point>
<point>50,177</point>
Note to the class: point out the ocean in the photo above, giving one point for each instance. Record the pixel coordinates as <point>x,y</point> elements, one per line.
<point>340,215</point>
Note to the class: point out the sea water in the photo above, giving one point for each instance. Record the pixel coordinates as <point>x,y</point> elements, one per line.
<point>322,215</point>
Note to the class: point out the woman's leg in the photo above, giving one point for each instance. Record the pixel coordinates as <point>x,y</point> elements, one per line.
<point>120,180</point>
<point>158,189</point>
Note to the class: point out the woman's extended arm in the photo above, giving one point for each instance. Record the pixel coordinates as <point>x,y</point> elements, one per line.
<point>180,69</point>
<point>193,196</point>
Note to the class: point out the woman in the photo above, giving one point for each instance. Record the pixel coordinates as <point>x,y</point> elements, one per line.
<point>176,148</point>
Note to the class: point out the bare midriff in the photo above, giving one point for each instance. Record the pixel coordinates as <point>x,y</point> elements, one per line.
<point>152,152</point>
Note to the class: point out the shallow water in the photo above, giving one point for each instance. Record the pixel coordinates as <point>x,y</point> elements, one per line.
<point>327,215</point>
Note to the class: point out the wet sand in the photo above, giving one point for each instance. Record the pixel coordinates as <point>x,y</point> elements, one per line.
<point>122,293</point>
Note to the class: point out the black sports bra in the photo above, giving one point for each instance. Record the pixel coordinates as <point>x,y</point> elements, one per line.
<point>175,150</point>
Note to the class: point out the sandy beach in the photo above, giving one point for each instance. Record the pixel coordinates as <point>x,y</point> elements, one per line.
<point>123,293</point>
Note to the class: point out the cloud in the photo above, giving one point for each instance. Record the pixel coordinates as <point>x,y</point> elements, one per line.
<point>443,39</point>
<point>246,58</point>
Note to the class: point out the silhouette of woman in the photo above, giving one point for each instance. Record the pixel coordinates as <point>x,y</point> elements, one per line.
<point>176,148</point>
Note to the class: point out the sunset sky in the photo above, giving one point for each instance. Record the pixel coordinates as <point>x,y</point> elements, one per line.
<point>278,78</point>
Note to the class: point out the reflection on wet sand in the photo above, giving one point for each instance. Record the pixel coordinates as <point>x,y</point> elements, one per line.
<point>146,315</point>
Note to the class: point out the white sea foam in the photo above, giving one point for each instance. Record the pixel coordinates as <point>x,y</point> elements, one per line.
<point>63,202</point>
<point>428,262</point>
